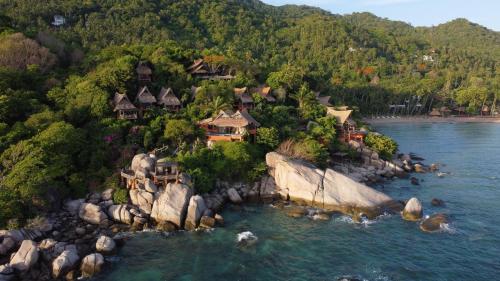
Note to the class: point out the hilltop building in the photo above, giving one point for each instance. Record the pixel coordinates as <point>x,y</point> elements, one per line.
<point>124,108</point>
<point>244,100</point>
<point>144,72</point>
<point>346,127</point>
<point>168,100</point>
<point>226,126</point>
<point>265,92</point>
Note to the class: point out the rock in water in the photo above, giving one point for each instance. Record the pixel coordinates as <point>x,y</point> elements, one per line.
<point>207,222</point>
<point>25,257</point>
<point>413,210</point>
<point>437,202</point>
<point>246,238</point>
<point>120,213</point>
<point>7,273</point>
<point>91,265</point>
<point>234,196</point>
<point>105,245</point>
<point>92,213</point>
<point>419,168</point>
<point>65,262</point>
<point>171,204</point>
<point>434,222</point>
<point>195,211</point>
<point>326,189</point>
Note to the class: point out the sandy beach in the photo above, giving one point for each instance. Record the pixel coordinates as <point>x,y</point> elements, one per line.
<point>422,119</point>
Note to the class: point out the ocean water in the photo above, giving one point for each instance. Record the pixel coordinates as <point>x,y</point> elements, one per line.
<point>384,249</point>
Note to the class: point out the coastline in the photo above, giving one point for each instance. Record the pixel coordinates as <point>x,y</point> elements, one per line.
<point>426,119</point>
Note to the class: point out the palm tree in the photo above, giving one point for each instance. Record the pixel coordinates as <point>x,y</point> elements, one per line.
<point>218,104</point>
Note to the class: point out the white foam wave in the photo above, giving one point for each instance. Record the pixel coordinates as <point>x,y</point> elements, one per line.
<point>448,228</point>
<point>246,236</point>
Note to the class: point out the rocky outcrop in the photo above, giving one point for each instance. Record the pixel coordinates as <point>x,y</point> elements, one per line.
<point>434,222</point>
<point>120,213</point>
<point>105,245</point>
<point>92,213</point>
<point>73,206</point>
<point>150,186</point>
<point>413,210</point>
<point>7,245</point>
<point>234,197</point>
<point>207,222</point>
<point>91,265</point>
<point>25,257</point>
<point>195,211</point>
<point>171,204</point>
<point>65,262</point>
<point>327,189</point>
<point>7,273</point>
<point>142,199</point>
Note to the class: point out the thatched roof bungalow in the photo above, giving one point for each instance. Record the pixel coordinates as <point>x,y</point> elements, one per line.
<point>168,100</point>
<point>265,92</point>
<point>144,98</point>
<point>228,126</point>
<point>243,99</point>
<point>123,107</point>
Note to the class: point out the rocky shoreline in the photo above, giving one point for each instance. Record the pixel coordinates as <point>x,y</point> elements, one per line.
<point>75,242</point>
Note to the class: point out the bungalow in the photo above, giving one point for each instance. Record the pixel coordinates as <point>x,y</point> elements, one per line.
<point>243,99</point>
<point>201,69</point>
<point>346,127</point>
<point>124,108</point>
<point>225,126</point>
<point>144,99</point>
<point>144,72</point>
<point>264,92</point>
<point>165,171</point>
<point>168,100</point>
<point>325,100</point>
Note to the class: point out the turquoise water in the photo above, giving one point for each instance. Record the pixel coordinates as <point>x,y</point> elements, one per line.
<point>385,249</point>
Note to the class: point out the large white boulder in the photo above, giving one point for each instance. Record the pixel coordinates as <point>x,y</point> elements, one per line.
<point>65,262</point>
<point>92,213</point>
<point>136,161</point>
<point>91,265</point>
<point>150,186</point>
<point>171,204</point>
<point>326,189</point>
<point>120,213</point>
<point>413,210</point>
<point>25,257</point>
<point>142,199</point>
<point>105,245</point>
<point>195,210</point>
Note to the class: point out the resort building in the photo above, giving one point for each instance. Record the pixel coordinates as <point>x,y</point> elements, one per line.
<point>144,99</point>
<point>244,100</point>
<point>202,70</point>
<point>265,92</point>
<point>239,126</point>
<point>124,108</point>
<point>323,100</point>
<point>144,72</point>
<point>167,99</point>
<point>346,127</point>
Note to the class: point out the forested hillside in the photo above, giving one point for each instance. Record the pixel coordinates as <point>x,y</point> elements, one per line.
<point>59,136</point>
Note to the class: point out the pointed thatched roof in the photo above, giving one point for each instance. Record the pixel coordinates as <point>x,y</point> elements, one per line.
<point>226,119</point>
<point>263,91</point>
<point>143,69</point>
<point>144,96</point>
<point>242,95</point>
<point>121,102</point>
<point>375,80</point>
<point>324,100</point>
<point>198,67</point>
<point>435,112</point>
<point>341,115</point>
<point>167,97</point>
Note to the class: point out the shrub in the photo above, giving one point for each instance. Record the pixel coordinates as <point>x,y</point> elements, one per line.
<point>268,137</point>
<point>385,146</point>
<point>120,196</point>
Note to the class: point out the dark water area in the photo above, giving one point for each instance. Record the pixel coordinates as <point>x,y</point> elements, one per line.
<point>387,248</point>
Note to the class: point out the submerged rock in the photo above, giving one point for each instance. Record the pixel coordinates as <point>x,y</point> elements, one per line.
<point>413,210</point>
<point>171,204</point>
<point>25,257</point>
<point>207,222</point>
<point>437,202</point>
<point>434,222</point>
<point>296,212</point>
<point>419,168</point>
<point>328,189</point>
<point>91,265</point>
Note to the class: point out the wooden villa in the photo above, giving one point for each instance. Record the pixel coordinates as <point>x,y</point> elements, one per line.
<point>239,126</point>
<point>202,70</point>
<point>144,99</point>
<point>124,108</point>
<point>165,171</point>
<point>265,92</point>
<point>168,100</point>
<point>144,72</point>
<point>346,127</point>
<point>244,100</point>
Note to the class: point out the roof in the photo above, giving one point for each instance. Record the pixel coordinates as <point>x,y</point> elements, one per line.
<point>325,100</point>
<point>145,96</point>
<point>263,91</point>
<point>225,119</point>
<point>444,109</point>
<point>242,95</point>
<point>340,115</point>
<point>144,69</point>
<point>121,102</point>
<point>167,97</point>
<point>435,112</point>
<point>375,80</point>
<point>198,67</point>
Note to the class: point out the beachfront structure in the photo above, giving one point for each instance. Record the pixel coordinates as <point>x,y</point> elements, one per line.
<point>167,99</point>
<point>144,72</point>
<point>144,99</point>
<point>243,99</point>
<point>346,127</point>
<point>226,126</point>
<point>265,92</point>
<point>124,108</point>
